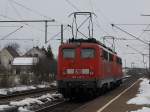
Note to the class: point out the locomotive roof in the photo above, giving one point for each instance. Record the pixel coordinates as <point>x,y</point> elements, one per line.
<point>89,40</point>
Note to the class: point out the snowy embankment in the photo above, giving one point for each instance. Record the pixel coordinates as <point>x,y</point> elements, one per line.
<point>25,104</point>
<point>5,91</point>
<point>142,97</point>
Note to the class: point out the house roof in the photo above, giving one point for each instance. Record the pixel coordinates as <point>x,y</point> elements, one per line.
<point>25,61</point>
<point>12,51</point>
<point>32,51</point>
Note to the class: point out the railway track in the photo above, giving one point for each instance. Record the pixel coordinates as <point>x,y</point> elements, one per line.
<point>54,105</point>
<point>61,106</point>
<point>4,99</point>
<point>72,106</point>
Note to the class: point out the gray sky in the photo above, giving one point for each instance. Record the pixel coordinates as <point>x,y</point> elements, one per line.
<point>107,11</point>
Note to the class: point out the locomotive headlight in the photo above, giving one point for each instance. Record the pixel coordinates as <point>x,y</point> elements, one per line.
<point>65,72</point>
<point>91,72</point>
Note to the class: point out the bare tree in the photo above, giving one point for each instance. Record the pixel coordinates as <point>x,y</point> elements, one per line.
<point>13,45</point>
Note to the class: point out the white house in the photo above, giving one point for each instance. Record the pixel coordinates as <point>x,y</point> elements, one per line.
<point>6,57</point>
<point>24,65</point>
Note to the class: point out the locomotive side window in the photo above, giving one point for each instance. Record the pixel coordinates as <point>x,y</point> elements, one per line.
<point>87,53</point>
<point>119,61</point>
<point>69,53</point>
<point>110,57</point>
<point>105,55</point>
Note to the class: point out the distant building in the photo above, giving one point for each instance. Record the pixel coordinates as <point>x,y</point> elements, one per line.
<point>6,57</point>
<point>36,52</point>
<point>24,65</point>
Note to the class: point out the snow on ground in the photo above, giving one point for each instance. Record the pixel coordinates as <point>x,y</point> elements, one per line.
<point>21,109</point>
<point>143,96</point>
<point>38,100</point>
<point>5,91</point>
<point>2,107</point>
<point>21,88</point>
<point>42,86</point>
<point>54,84</point>
<point>24,104</point>
<point>144,109</point>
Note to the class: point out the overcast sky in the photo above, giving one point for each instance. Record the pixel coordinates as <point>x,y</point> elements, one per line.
<point>107,11</point>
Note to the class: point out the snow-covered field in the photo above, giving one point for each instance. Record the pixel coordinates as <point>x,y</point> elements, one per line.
<point>5,91</point>
<point>142,97</point>
<point>25,104</point>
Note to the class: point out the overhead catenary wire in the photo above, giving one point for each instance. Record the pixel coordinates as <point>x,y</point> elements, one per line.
<point>97,22</point>
<point>98,10</point>
<point>19,15</point>
<point>18,39</point>
<point>52,38</point>
<point>34,11</point>
<point>144,31</point>
<point>135,49</point>
<point>113,25</point>
<point>6,26</point>
<point>72,5</point>
<point>4,37</point>
<point>29,9</point>
<point>14,8</point>
<point>21,22</point>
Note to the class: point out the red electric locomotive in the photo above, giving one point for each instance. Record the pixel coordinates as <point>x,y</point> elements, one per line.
<point>87,66</point>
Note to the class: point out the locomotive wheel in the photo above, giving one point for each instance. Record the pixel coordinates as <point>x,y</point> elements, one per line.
<point>104,88</point>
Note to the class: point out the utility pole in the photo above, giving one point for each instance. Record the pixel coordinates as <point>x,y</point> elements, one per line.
<point>45,31</point>
<point>143,55</point>
<point>149,59</point>
<point>62,33</point>
<point>149,50</point>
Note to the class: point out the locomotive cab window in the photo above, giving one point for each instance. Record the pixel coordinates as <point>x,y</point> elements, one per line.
<point>87,53</point>
<point>68,53</point>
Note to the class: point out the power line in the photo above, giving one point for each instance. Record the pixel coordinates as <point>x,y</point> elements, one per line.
<point>14,8</point>
<point>9,26</point>
<point>136,24</point>
<point>72,5</point>
<point>18,39</point>
<point>29,9</point>
<point>10,18</point>
<point>113,25</point>
<point>144,31</point>
<point>52,38</point>
<point>97,22</point>
<point>11,33</point>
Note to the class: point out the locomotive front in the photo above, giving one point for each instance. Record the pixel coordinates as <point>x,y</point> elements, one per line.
<point>77,68</point>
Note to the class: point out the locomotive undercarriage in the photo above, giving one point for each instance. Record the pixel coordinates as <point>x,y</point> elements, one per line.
<point>89,89</point>
<point>76,88</point>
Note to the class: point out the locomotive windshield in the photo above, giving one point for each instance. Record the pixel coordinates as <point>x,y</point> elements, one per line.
<point>69,53</point>
<point>87,53</point>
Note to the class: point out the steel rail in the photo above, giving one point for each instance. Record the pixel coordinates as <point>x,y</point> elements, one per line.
<point>24,93</point>
<point>50,106</point>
